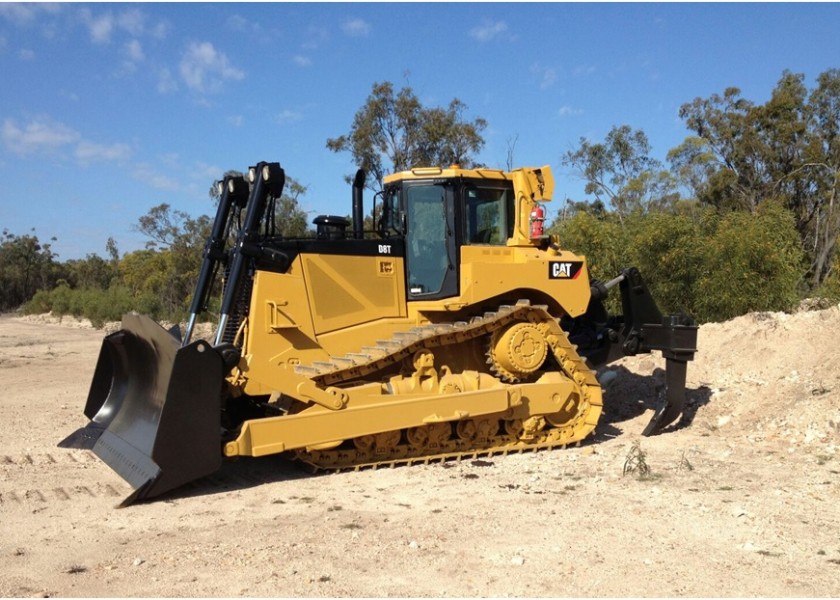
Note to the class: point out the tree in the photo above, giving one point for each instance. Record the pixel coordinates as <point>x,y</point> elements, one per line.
<point>787,149</point>
<point>824,166</point>
<point>91,272</point>
<point>290,219</point>
<point>166,228</point>
<point>393,132</point>
<point>175,249</point>
<point>26,265</point>
<point>619,172</point>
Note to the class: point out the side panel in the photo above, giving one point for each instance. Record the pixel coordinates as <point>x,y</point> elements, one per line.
<point>301,316</point>
<point>489,271</point>
<point>349,290</point>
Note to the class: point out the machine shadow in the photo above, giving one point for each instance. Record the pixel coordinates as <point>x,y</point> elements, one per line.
<point>626,397</point>
<point>241,474</point>
<point>629,395</point>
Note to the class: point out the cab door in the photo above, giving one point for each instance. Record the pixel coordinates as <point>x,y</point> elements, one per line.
<point>431,248</point>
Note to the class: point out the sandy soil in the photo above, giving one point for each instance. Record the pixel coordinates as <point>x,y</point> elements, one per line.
<point>742,500</point>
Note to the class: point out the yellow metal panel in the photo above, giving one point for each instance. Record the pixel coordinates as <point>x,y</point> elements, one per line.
<point>349,290</point>
<point>262,436</point>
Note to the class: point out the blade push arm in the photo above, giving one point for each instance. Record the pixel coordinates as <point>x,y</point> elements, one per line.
<point>234,192</point>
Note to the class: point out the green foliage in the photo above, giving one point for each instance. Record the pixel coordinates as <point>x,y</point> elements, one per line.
<point>97,305</point>
<point>91,272</point>
<point>619,172</point>
<point>713,266</point>
<point>830,288</point>
<point>670,250</point>
<point>26,265</point>
<point>787,150</point>
<point>393,132</point>
<point>599,238</point>
<point>289,216</point>
<point>753,263</point>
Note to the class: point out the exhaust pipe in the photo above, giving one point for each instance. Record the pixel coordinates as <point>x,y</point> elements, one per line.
<point>358,205</point>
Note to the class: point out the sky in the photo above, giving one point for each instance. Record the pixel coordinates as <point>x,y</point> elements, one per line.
<point>107,110</point>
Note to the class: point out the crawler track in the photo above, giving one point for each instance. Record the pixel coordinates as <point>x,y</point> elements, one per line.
<point>489,435</point>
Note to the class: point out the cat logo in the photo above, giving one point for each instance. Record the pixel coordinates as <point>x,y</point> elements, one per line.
<point>564,270</point>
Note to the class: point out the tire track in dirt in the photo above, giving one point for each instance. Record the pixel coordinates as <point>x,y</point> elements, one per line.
<point>25,498</point>
<point>47,458</point>
<point>48,466</point>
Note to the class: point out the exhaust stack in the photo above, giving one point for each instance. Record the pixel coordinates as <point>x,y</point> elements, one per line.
<point>358,205</point>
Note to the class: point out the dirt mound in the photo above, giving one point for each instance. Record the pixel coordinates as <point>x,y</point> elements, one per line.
<point>201,331</point>
<point>763,376</point>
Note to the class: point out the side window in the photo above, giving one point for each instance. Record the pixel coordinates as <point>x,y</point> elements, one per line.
<point>488,215</point>
<point>390,223</point>
<point>426,241</point>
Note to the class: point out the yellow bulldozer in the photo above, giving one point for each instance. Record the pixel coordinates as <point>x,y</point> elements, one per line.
<point>456,328</point>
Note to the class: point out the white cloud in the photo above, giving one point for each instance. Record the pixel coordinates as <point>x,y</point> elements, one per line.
<point>568,111</point>
<point>288,116</point>
<point>99,27</point>
<point>583,70</point>
<point>244,25</point>
<point>160,30</point>
<point>26,54</point>
<point>39,135</point>
<point>72,96</point>
<point>90,152</point>
<point>21,13</point>
<point>315,37</point>
<point>236,120</point>
<point>238,23</point>
<point>148,175</point>
<point>356,27</point>
<point>102,27</point>
<point>488,30</point>
<point>201,171</point>
<point>302,61</point>
<point>134,51</point>
<point>166,82</point>
<point>132,21</point>
<point>546,75</point>
<point>204,69</point>
<point>17,12</point>
<point>43,135</point>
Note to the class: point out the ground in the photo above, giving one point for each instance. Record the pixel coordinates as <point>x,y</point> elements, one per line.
<point>742,499</point>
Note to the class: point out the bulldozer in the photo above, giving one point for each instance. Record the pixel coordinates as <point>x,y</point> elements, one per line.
<point>453,327</point>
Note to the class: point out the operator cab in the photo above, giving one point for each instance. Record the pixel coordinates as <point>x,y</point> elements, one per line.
<point>438,215</point>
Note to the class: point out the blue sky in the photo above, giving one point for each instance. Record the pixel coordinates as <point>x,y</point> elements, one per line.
<point>109,109</point>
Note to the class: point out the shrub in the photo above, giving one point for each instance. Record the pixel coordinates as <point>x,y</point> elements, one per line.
<point>711,265</point>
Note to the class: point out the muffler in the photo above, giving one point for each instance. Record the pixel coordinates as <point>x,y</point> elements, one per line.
<point>154,408</point>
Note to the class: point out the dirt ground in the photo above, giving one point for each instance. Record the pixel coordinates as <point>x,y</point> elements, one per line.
<point>742,500</point>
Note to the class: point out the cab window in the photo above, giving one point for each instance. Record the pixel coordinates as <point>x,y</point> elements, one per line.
<point>489,215</point>
<point>426,243</point>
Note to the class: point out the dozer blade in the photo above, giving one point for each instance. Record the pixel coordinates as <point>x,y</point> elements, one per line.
<point>674,397</point>
<point>154,408</point>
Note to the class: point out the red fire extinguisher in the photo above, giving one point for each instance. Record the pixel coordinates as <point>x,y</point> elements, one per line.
<point>536,221</point>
